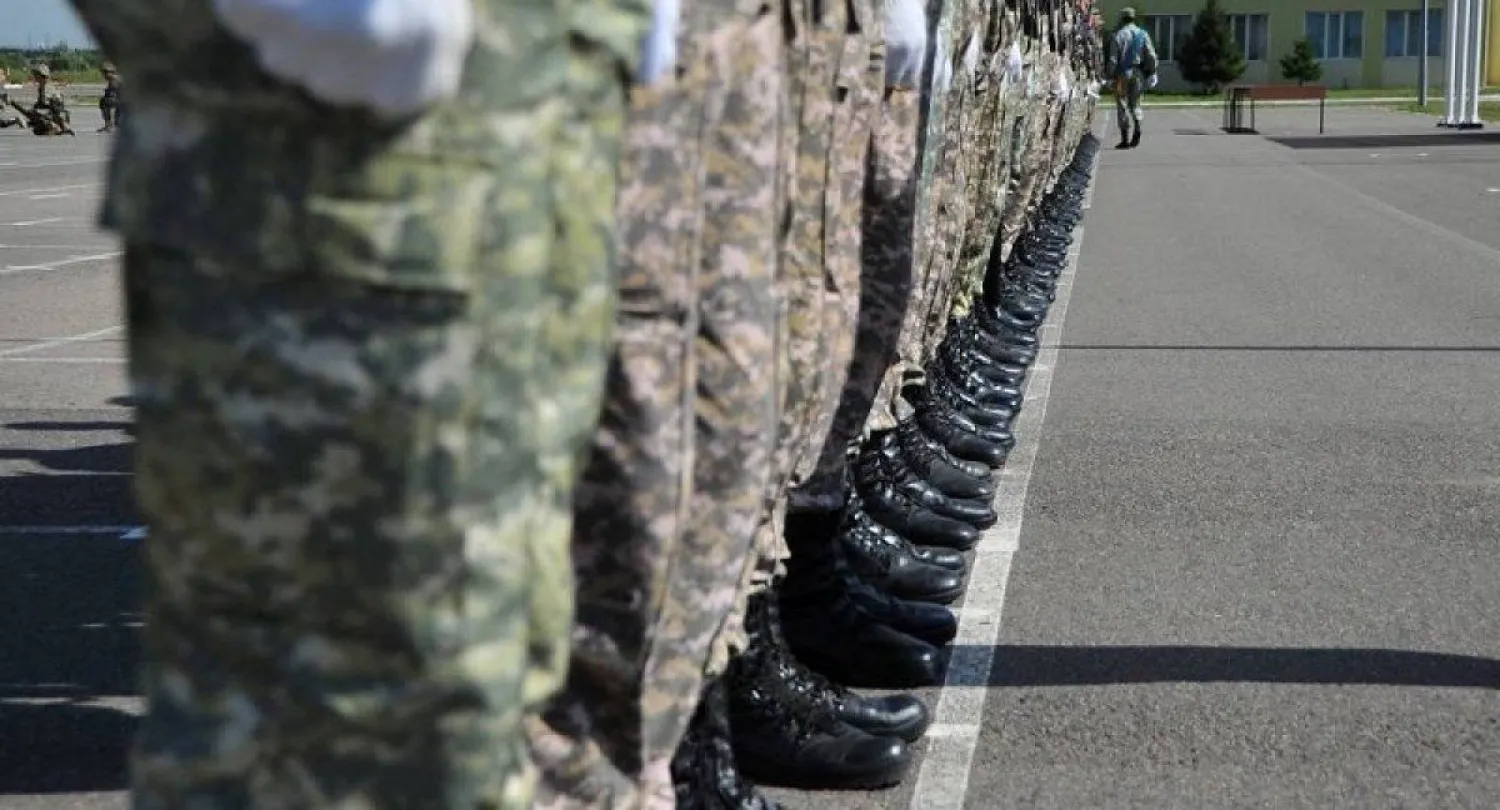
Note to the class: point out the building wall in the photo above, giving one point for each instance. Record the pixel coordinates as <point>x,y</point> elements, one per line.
<point>1286,23</point>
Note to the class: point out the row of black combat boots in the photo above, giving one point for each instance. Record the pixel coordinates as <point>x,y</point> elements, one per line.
<point>863,600</point>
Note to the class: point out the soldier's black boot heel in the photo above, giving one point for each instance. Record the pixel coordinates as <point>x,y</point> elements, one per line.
<point>787,733</point>
<point>705,774</point>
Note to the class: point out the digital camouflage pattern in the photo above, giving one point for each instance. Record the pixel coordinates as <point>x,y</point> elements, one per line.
<point>861,79</point>
<point>366,359</point>
<point>669,504</point>
<point>989,149</point>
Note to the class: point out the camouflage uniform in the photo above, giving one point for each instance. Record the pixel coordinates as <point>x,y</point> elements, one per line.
<point>49,115</point>
<point>668,505</point>
<point>366,359</point>
<point>109,102</point>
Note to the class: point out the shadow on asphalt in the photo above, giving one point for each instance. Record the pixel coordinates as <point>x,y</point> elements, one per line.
<point>1100,666</point>
<point>1442,138</point>
<point>69,613</point>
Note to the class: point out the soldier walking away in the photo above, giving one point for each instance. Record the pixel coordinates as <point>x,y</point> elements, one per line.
<point>1132,65</point>
<point>109,103</point>
<point>366,358</point>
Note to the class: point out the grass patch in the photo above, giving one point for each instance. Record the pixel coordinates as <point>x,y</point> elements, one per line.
<point>1488,110</point>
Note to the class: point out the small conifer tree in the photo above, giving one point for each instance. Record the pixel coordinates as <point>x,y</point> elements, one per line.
<point>1210,57</point>
<point>1300,65</point>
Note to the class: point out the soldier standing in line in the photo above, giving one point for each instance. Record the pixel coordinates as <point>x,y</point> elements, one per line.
<point>109,103</point>
<point>368,338</point>
<point>669,499</point>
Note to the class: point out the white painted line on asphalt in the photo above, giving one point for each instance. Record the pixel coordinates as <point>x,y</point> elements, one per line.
<point>138,533</point>
<point>1432,228</point>
<point>17,192</point>
<point>9,246</point>
<point>22,268</point>
<point>67,530</point>
<point>943,778</point>
<point>56,196</point>
<point>62,341</point>
<point>55,163</point>
<point>65,360</point>
<point>30,222</point>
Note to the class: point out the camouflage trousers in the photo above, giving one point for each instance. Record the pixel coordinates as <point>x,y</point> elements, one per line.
<point>366,360</point>
<point>893,290</point>
<point>668,505</point>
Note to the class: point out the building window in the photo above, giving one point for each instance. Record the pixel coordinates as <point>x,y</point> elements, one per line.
<point>1403,32</point>
<point>1336,34</point>
<point>1250,33</point>
<point>1167,33</point>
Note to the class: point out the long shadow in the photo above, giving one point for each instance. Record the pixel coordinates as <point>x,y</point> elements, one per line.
<point>1444,138</point>
<point>1024,665</point>
<point>70,607</point>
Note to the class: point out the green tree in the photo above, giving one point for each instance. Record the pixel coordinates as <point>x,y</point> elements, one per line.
<point>1300,65</point>
<point>1210,57</point>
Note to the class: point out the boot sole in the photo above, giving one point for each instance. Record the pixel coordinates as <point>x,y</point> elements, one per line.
<point>783,776</point>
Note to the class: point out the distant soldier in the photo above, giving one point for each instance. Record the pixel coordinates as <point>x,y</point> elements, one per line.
<point>7,119</point>
<point>109,103</point>
<point>1132,66</point>
<point>49,115</point>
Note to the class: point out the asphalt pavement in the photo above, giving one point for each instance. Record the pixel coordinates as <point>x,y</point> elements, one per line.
<point>1249,549</point>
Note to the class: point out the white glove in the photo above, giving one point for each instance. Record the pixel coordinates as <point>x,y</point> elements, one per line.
<point>397,57</point>
<point>1151,82</point>
<point>905,42</point>
<point>660,53</point>
<point>1014,64</point>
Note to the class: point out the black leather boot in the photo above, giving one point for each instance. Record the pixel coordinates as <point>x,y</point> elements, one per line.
<point>915,441</point>
<point>978,341</point>
<point>846,630</point>
<point>974,388</point>
<point>881,470</point>
<point>961,440</point>
<point>705,775</point>
<point>900,715</point>
<point>893,568</point>
<point>946,394</point>
<point>949,558</point>
<point>793,738</point>
<point>924,462</point>
<point>961,357</point>
<point>888,505</point>
<point>1003,332</point>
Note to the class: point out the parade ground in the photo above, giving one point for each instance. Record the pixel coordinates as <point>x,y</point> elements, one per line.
<point>1249,547</point>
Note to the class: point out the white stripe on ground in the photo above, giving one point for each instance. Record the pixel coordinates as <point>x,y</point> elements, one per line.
<point>62,341</point>
<point>943,779</point>
<point>124,531</point>
<point>95,257</point>
<point>105,361</point>
<point>16,192</point>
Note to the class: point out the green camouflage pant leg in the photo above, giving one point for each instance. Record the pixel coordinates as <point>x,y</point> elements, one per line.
<point>366,359</point>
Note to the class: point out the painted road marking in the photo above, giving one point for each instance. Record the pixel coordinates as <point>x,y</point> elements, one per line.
<point>943,778</point>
